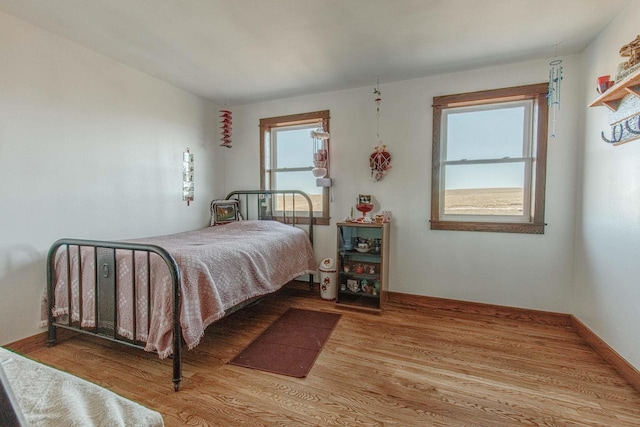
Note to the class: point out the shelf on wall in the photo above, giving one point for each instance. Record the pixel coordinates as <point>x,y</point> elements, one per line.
<point>613,97</point>
<point>623,101</point>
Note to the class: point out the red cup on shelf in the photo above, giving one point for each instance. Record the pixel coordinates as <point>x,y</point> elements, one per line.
<point>604,83</point>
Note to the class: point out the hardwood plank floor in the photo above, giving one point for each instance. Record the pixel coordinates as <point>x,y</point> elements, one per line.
<point>408,367</point>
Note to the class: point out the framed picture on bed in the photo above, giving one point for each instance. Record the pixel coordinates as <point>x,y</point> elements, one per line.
<point>224,211</point>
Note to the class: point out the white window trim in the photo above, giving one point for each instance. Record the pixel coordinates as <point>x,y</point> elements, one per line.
<point>526,159</point>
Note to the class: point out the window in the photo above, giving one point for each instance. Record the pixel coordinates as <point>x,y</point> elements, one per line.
<point>489,160</point>
<point>286,160</point>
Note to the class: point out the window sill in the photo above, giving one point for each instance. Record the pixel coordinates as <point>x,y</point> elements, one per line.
<point>498,227</point>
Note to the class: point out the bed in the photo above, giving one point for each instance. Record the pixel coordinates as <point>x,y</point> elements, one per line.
<point>160,293</point>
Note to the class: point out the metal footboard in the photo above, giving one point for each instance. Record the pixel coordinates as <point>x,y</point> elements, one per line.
<point>106,290</point>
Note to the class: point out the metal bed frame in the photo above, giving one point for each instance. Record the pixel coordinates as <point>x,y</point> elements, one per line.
<point>105,274</point>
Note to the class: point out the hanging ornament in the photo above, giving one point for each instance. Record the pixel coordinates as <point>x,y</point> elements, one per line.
<point>380,159</point>
<point>553,94</point>
<point>320,152</point>
<point>225,128</point>
<point>380,162</point>
<point>187,176</point>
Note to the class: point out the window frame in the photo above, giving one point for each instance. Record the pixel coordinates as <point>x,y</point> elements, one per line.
<point>534,224</point>
<point>270,123</point>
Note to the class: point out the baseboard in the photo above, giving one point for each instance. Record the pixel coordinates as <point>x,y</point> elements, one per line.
<point>544,317</point>
<point>303,287</point>
<point>38,341</point>
<point>617,362</point>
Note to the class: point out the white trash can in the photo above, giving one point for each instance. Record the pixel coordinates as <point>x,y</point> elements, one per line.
<point>328,278</point>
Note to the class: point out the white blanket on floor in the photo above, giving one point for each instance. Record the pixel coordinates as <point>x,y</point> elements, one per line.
<point>49,397</point>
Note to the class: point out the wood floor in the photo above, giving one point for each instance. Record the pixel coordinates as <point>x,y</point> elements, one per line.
<point>408,367</point>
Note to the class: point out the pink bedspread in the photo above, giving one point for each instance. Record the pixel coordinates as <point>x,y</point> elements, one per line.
<point>220,266</point>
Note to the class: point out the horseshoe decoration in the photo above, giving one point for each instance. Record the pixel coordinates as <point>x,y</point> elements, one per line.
<point>635,132</point>
<point>614,137</point>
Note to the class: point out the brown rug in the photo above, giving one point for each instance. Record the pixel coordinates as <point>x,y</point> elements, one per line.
<point>291,344</point>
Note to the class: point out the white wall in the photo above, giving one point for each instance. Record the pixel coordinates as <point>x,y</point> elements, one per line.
<point>532,271</point>
<point>607,262</point>
<point>89,148</point>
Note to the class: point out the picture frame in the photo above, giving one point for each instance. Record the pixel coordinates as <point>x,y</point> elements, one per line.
<point>224,211</point>
<point>364,199</point>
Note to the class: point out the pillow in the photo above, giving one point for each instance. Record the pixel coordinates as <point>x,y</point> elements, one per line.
<point>224,211</point>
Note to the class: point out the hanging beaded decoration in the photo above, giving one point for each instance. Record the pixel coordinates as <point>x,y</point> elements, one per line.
<point>225,129</point>
<point>553,95</point>
<point>187,176</point>
<point>380,159</point>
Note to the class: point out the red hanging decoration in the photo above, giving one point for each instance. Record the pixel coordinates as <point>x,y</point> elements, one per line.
<point>380,159</point>
<point>380,162</point>
<point>225,129</point>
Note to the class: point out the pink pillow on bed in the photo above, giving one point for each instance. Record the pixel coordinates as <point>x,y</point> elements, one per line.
<point>224,211</point>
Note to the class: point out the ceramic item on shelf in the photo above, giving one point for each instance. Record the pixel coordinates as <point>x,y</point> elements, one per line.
<point>366,288</point>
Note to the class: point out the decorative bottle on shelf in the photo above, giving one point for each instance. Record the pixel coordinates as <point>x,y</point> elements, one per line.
<point>376,287</point>
<point>364,285</point>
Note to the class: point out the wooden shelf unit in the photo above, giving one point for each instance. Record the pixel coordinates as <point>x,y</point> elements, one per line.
<point>372,289</point>
<point>613,97</point>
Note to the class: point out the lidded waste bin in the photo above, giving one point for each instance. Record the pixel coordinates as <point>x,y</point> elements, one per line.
<point>328,278</point>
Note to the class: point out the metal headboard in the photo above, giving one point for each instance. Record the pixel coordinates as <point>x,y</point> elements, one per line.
<point>264,208</point>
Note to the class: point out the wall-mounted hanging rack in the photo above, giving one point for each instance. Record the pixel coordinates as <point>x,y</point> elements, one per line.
<point>623,102</point>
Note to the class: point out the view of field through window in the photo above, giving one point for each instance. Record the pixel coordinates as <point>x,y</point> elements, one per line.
<point>484,201</point>
<point>299,202</point>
